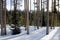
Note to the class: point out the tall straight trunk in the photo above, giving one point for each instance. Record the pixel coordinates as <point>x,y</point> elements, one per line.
<point>3,17</point>
<point>27,24</point>
<point>26,6</point>
<point>25,14</point>
<point>34,16</point>
<point>10,11</point>
<point>55,11</point>
<point>0,10</point>
<point>30,14</point>
<point>47,29</point>
<point>15,14</point>
<point>52,16</point>
<point>56,15</point>
<point>58,11</point>
<point>41,13</point>
<point>38,13</point>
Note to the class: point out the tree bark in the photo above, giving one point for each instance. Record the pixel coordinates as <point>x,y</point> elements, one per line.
<point>3,17</point>
<point>38,13</point>
<point>26,6</point>
<point>47,29</point>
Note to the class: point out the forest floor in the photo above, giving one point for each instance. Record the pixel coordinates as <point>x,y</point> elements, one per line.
<point>34,34</point>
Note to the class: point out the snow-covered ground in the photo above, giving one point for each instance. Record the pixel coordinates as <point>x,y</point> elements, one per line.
<point>57,35</point>
<point>51,35</point>
<point>34,34</point>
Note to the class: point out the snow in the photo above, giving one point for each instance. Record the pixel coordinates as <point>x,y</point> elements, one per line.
<point>50,35</point>
<point>57,35</point>
<point>35,34</point>
<point>23,32</point>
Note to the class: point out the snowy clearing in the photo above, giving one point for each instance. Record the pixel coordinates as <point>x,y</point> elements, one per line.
<point>38,34</point>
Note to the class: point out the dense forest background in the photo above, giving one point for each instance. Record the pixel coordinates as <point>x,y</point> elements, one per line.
<point>33,17</point>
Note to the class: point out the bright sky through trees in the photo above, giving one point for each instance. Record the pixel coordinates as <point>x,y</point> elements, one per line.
<point>22,3</point>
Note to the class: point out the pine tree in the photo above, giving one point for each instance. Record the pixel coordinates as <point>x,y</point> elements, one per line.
<point>16,29</point>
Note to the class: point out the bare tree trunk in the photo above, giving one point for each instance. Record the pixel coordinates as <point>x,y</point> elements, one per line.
<point>26,6</point>
<point>34,16</point>
<point>0,10</point>
<point>38,13</point>
<point>27,24</point>
<point>10,12</point>
<point>58,12</point>
<point>25,14</point>
<point>41,13</point>
<point>47,29</point>
<point>30,14</point>
<point>3,17</point>
<point>54,10</point>
<point>52,16</point>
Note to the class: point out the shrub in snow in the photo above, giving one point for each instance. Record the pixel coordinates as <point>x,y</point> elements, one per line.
<point>15,29</point>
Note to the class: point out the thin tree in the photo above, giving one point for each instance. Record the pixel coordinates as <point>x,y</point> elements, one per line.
<point>25,14</point>
<point>58,9</point>
<point>30,13</point>
<point>3,17</point>
<point>34,15</point>
<point>38,13</point>
<point>55,11</point>
<point>10,11</point>
<point>26,2</point>
<point>47,29</point>
<point>52,15</point>
<point>41,13</point>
